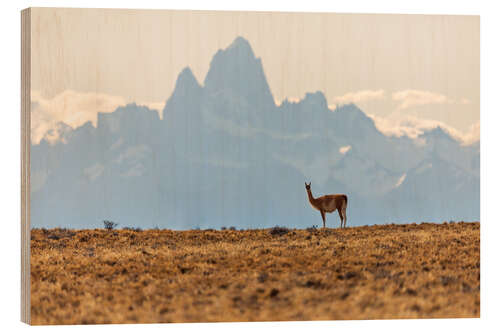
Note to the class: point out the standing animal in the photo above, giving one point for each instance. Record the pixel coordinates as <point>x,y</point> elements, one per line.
<point>328,204</point>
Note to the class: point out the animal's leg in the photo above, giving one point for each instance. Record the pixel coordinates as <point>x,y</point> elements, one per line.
<point>323,217</point>
<point>345,216</point>
<point>341,217</point>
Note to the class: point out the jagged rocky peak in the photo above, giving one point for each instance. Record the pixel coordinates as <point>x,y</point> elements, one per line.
<point>186,80</point>
<point>241,45</point>
<point>317,98</point>
<point>129,115</point>
<point>186,95</point>
<point>353,113</point>
<point>60,133</point>
<point>437,133</point>
<point>86,128</point>
<point>134,110</point>
<point>238,72</point>
<point>237,59</point>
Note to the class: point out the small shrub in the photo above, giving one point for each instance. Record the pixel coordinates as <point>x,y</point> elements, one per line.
<point>132,229</point>
<point>109,225</point>
<point>223,228</point>
<point>313,228</point>
<point>279,231</point>
<point>232,228</point>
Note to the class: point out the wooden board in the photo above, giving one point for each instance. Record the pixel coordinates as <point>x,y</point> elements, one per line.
<point>25,162</point>
<point>180,120</point>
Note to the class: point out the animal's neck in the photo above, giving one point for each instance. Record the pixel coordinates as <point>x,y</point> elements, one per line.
<point>311,198</point>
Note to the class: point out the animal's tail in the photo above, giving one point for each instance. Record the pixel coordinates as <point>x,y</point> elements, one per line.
<point>345,198</point>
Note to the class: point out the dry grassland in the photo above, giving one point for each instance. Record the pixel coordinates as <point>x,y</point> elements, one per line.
<point>377,272</point>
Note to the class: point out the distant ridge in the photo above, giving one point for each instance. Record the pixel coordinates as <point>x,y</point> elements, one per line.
<point>224,154</point>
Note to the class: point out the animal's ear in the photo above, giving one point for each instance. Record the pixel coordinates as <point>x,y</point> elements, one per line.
<point>305,183</point>
<point>309,183</point>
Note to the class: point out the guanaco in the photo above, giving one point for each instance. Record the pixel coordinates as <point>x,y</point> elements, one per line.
<point>328,204</point>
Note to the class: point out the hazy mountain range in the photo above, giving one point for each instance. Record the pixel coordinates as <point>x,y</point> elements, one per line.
<point>224,154</point>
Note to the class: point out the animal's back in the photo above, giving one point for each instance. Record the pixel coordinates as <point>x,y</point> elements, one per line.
<point>345,198</point>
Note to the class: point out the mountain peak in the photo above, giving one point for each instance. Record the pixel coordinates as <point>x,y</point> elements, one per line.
<point>186,84</point>
<point>351,109</point>
<point>126,117</point>
<point>186,95</point>
<point>437,133</point>
<point>60,133</point>
<point>242,45</point>
<point>236,70</point>
<point>352,117</point>
<point>186,78</point>
<point>316,98</point>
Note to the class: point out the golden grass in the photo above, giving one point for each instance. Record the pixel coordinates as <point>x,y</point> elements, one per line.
<point>377,272</point>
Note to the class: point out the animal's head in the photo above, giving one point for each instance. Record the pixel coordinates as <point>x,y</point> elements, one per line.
<point>308,186</point>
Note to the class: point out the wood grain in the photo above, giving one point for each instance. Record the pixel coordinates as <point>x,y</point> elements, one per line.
<point>25,162</point>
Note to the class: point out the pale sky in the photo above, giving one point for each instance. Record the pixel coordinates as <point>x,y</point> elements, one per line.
<point>407,71</point>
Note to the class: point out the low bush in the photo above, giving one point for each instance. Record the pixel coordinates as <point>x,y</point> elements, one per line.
<point>109,225</point>
<point>279,231</point>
